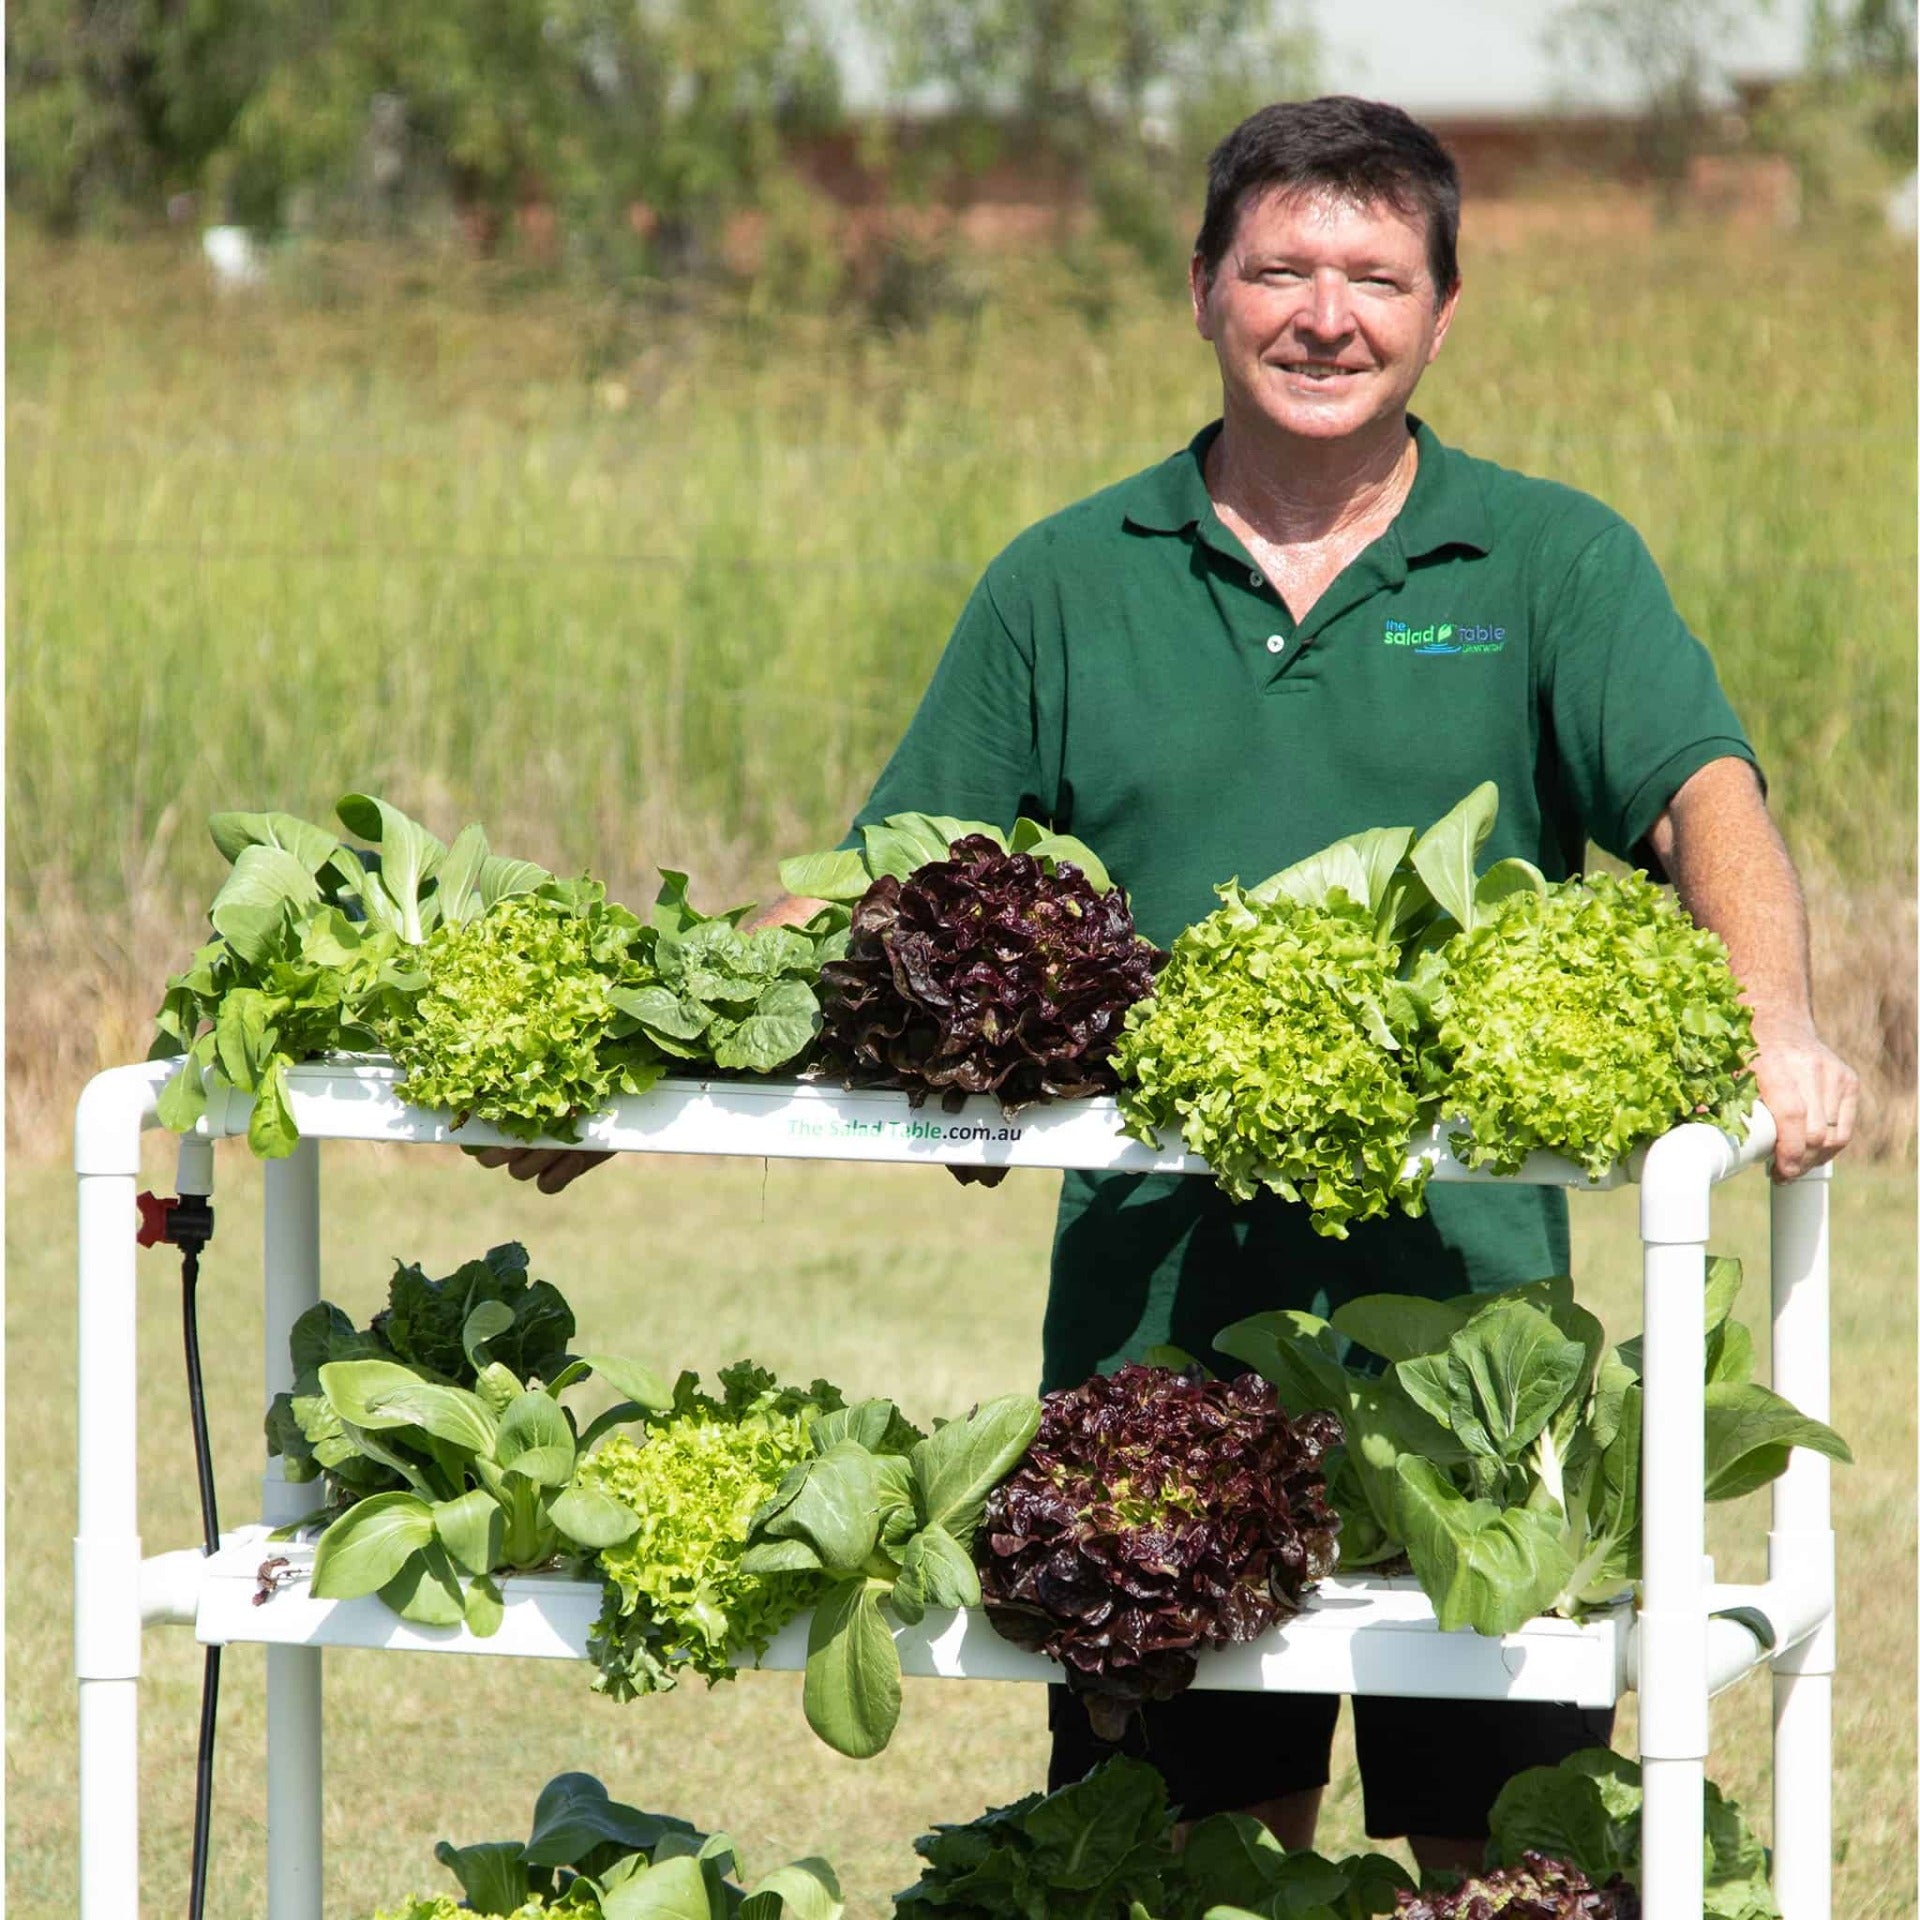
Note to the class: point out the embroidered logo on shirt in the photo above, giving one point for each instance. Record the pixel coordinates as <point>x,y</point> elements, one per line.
<point>1443,636</point>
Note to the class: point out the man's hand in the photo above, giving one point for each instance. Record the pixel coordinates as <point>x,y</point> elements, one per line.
<point>552,1169</point>
<point>549,1168</point>
<point>1731,870</point>
<point>1812,1094</point>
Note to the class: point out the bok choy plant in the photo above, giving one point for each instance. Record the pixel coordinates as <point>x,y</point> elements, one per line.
<point>442,1472</point>
<point>1499,1449</point>
<point>597,1858</point>
<point>885,1516</point>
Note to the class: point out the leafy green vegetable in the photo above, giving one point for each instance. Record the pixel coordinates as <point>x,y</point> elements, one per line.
<point>1500,1449</point>
<point>1085,1852</point>
<point>1306,1028</point>
<point>504,994</point>
<point>1586,1019</point>
<point>901,844</point>
<point>886,1515</point>
<point>439,1479</point>
<point>744,1002</point>
<point>430,1326</point>
<point>1587,1811</point>
<point>1277,1044</point>
<point>311,949</point>
<point>692,1479</point>
<point>1103,1849</point>
<point>308,982</point>
<point>591,1855</point>
<point>516,1023</point>
<point>443,1906</point>
<point>1232,1868</point>
<point>425,1319</point>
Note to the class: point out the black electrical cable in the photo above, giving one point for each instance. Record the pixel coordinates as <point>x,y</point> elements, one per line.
<point>192,1233</point>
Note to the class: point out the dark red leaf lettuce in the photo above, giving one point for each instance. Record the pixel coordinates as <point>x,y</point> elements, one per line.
<point>1537,1889</point>
<point>988,972</point>
<point>1155,1513</point>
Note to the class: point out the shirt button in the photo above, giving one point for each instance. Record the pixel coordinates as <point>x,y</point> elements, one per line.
<point>1256,578</point>
<point>1276,643</point>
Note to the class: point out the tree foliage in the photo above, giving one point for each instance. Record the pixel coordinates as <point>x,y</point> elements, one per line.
<point>589,105</point>
<point>1129,95</point>
<point>633,121</point>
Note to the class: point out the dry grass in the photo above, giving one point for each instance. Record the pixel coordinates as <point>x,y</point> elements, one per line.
<point>1864,999</point>
<point>888,1279</point>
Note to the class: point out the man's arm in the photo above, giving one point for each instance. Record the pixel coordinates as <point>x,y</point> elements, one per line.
<point>1732,871</point>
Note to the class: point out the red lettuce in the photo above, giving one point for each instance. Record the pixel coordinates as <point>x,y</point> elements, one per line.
<point>1155,1513</point>
<point>987,972</point>
<point>1537,1889</point>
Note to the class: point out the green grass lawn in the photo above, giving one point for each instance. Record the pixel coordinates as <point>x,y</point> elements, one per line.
<point>888,1280</point>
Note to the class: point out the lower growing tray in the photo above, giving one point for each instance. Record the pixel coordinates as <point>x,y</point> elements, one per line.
<point>1356,1635</point>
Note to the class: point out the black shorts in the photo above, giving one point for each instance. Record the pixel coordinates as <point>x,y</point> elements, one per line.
<point>1426,1766</point>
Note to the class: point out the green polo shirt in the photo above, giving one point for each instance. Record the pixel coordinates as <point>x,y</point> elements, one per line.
<point>1124,671</point>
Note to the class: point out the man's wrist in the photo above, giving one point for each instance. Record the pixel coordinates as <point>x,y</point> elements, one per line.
<point>1777,1026</point>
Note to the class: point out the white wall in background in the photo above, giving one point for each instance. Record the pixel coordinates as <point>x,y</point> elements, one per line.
<point>1460,56</point>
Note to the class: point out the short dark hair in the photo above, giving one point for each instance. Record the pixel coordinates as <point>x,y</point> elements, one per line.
<point>1362,150</point>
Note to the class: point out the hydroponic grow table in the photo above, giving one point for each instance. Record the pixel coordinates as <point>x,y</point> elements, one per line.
<point>1688,1638</point>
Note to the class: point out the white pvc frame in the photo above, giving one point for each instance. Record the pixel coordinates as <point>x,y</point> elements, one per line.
<point>1680,1652</point>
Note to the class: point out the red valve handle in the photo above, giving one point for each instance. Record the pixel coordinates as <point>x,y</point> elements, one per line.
<point>156,1218</point>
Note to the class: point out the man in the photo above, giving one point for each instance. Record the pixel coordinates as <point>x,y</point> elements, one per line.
<point>1318,618</point>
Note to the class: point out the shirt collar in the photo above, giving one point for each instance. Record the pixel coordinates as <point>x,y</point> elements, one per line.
<point>1445,507</point>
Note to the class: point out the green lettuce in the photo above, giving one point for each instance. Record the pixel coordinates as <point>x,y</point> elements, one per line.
<point>1587,1811</point>
<point>517,1022</point>
<point>1103,1848</point>
<point>1585,1019</point>
<point>1085,1852</point>
<point>1277,1043</point>
<point>737,1001</point>
<point>676,1596</point>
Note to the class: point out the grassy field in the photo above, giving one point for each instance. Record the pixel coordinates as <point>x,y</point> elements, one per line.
<point>639,588</point>
<point>890,1280</point>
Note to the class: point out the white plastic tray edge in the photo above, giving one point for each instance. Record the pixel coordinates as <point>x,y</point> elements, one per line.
<point>1356,1635</point>
<point>359,1098</point>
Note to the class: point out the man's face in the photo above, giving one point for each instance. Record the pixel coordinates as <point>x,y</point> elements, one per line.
<point>1322,313</point>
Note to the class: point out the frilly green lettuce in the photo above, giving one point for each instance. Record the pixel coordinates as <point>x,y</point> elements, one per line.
<point>1277,1043</point>
<point>1585,1020</point>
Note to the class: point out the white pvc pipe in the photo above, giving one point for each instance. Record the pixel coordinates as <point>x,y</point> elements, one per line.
<point>1793,1609</point>
<point>294,1826</point>
<point>1803,1794</point>
<point>106,1550</point>
<point>1802,1365</point>
<point>1675,1194</point>
<point>109,1798</point>
<point>170,1587</point>
<point>294,1835</point>
<point>1801,1541</point>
